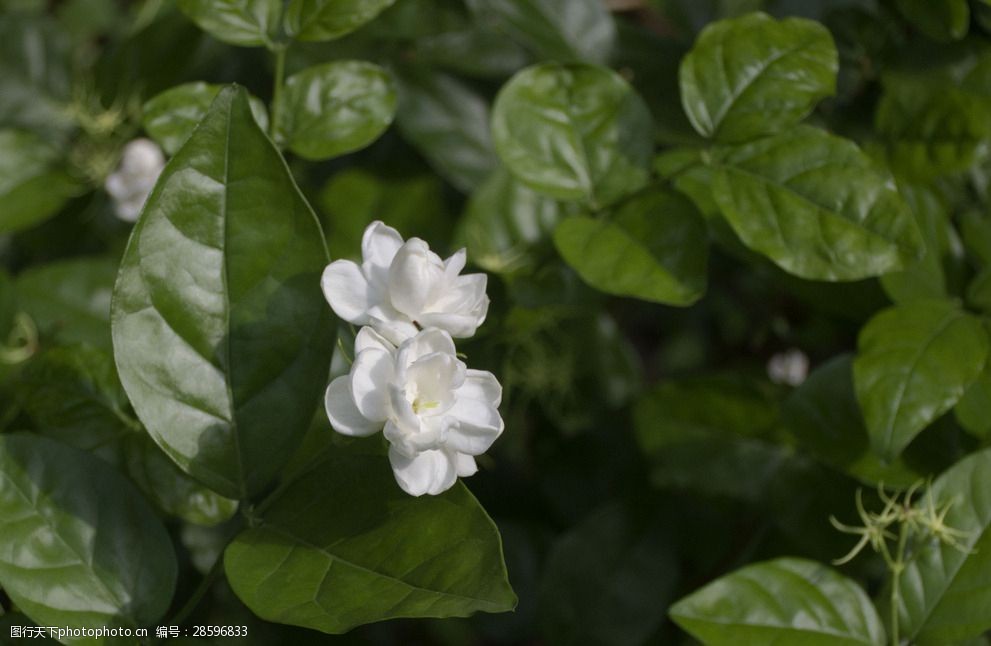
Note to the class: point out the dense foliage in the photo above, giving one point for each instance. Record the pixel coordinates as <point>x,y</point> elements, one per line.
<point>680,205</point>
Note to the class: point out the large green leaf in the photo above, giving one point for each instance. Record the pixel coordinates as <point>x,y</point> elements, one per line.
<point>815,205</point>
<point>573,131</point>
<point>607,581</point>
<point>945,592</point>
<point>787,601</point>
<point>170,117</point>
<point>972,409</point>
<point>943,20</point>
<point>335,108</point>
<point>753,75</point>
<point>33,185</point>
<point>504,222</point>
<point>448,123</point>
<point>72,394</point>
<point>329,19</point>
<point>344,546</point>
<point>564,30</point>
<point>654,248</point>
<point>70,299</point>
<point>221,335</point>
<point>238,22</point>
<point>78,545</point>
<point>925,277</point>
<point>914,363</point>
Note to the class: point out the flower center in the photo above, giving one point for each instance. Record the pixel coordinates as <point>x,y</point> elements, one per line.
<point>422,406</point>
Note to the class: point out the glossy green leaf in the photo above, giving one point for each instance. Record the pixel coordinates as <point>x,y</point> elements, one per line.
<point>945,592</point>
<point>170,117</point>
<point>573,131</point>
<point>815,205</point>
<point>824,415</point>
<point>335,108</point>
<point>563,30</point>
<point>607,581</point>
<point>474,50</point>
<point>925,277</point>
<point>787,600</point>
<point>238,22</point>
<point>914,362</point>
<point>329,19</point>
<point>972,409</point>
<point>79,546</point>
<point>654,247</point>
<point>370,553</point>
<point>70,299</point>
<point>221,335</point>
<point>754,75</point>
<point>943,20</point>
<point>33,186</point>
<point>448,123</point>
<point>504,222</point>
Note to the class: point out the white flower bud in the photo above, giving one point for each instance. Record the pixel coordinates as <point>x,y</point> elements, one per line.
<point>140,165</point>
<point>791,367</point>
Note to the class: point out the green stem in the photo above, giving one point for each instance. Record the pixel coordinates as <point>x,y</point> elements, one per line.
<point>280,74</point>
<point>205,584</point>
<point>896,574</point>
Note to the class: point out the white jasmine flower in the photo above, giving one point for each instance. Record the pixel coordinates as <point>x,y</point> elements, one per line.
<point>140,165</point>
<point>403,287</point>
<point>437,413</point>
<point>791,367</point>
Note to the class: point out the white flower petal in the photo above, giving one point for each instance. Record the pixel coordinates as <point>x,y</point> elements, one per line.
<point>426,342</point>
<point>371,375</point>
<point>368,338</point>
<point>395,330</point>
<point>481,385</point>
<point>430,472</point>
<point>479,424</point>
<point>465,465</point>
<point>379,245</point>
<point>462,308</point>
<point>454,264</point>
<point>432,380</point>
<point>413,277</point>
<point>343,413</point>
<point>347,291</point>
<point>461,326</point>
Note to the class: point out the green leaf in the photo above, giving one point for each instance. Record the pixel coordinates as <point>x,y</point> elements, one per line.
<point>914,362</point>
<point>815,205</point>
<point>221,335</point>
<point>753,75</point>
<point>335,108</point>
<point>945,591</point>
<point>238,22</point>
<point>607,581</point>
<point>505,221</point>
<point>78,545</point>
<point>971,411</point>
<point>573,131</point>
<point>33,186</point>
<point>330,19</point>
<point>564,30</point>
<point>473,50</point>
<point>70,299</point>
<point>824,415</point>
<point>925,277</point>
<point>944,20</point>
<point>170,117</point>
<point>787,600</point>
<point>448,123</point>
<point>369,552</point>
<point>931,127</point>
<point>654,248</point>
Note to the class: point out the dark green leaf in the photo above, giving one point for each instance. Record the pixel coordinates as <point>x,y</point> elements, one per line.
<point>925,277</point>
<point>815,205</point>
<point>221,335</point>
<point>979,290</point>
<point>972,409</point>
<point>573,131</point>
<point>335,108</point>
<point>607,581</point>
<point>238,22</point>
<point>448,123</point>
<point>787,600</point>
<point>564,30</point>
<point>170,117</point>
<point>369,552</point>
<point>654,248</point>
<point>329,19</point>
<point>79,546</point>
<point>474,50</point>
<point>753,75</point>
<point>914,363</point>
<point>33,186</point>
<point>70,299</point>
<point>944,592</point>
<point>942,20</point>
